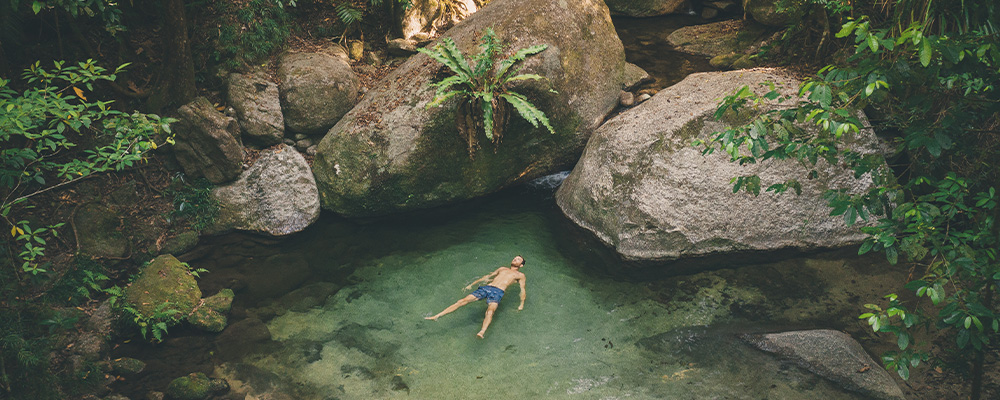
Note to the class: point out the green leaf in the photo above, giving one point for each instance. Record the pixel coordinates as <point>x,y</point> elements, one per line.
<point>903,341</point>
<point>925,52</point>
<point>527,110</point>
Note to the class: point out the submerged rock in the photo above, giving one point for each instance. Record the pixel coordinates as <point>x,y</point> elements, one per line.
<point>317,88</point>
<point>724,41</point>
<point>648,8</point>
<point>127,366</point>
<point>833,355</point>
<point>277,195</point>
<point>777,13</point>
<point>210,316</point>
<point>242,337</point>
<point>392,154</point>
<point>196,386</point>
<point>98,231</point>
<point>208,142</point>
<point>258,108</point>
<point>164,280</point>
<point>642,188</point>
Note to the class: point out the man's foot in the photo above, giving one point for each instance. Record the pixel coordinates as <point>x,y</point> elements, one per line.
<point>434,318</point>
<point>480,334</point>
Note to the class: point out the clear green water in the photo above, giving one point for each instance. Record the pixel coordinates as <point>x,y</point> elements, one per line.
<point>586,331</point>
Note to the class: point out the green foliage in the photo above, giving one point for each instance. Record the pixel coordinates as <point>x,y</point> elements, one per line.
<point>483,87</point>
<point>193,202</point>
<point>152,327</point>
<point>108,11</point>
<point>84,281</point>
<point>52,135</point>
<point>250,32</point>
<point>930,73</point>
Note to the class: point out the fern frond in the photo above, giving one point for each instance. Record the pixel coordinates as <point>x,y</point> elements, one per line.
<point>487,105</point>
<point>524,77</point>
<point>440,99</point>
<point>489,46</point>
<point>527,110</point>
<point>447,53</point>
<point>517,57</point>
<point>450,81</point>
<point>347,14</point>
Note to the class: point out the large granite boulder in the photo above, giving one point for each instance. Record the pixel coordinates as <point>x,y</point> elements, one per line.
<point>434,16</point>
<point>768,12</point>
<point>163,280</point>
<point>316,89</point>
<point>643,189</point>
<point>258,108</point>
<point>391,153</point>
<point>648,8</point>
<point>277,195</point>
<point>833,355</point>
<point>208,142</point>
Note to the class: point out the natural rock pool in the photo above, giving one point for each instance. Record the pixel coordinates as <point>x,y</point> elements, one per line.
<point>344,302</point>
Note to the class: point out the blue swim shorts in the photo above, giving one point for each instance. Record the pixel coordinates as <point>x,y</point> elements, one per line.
<point>491,293</point>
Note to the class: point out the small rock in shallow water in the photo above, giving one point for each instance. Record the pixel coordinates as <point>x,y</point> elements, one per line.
<point>643,97</point>
<point>626,99</point>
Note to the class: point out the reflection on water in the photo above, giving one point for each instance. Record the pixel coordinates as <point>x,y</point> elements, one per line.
<point>337,312</point>
<point>646,45</point>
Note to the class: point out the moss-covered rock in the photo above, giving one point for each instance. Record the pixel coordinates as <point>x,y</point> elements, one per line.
<point>724,38</point>
<point>220,302</point>
<point>165,279</point>
<point>767,12</point>
<point>127,366</point>
<point>180,244</point>
<point>196,386</point>
<point>207,319</point>
<point>391,153</point>
<point>97,229</point>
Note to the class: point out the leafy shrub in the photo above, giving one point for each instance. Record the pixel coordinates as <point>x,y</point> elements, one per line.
<point>483,88</point>
<point>250,32</point>
<point>193,202</point>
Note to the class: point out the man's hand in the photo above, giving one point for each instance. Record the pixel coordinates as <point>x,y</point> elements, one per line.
<point>468,287</point>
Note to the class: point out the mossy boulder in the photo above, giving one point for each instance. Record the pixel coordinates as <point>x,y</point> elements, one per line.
<point>644,189</point>
<point>98,230</point>
<point>196,386</point>
<point>220,302</point>
<point>725,41</point>
<point>767,12</point>
<point>648,8</point>
<point>391,153</point>
<point>207,319</point>
<point>181,243</point>
<point>317,88</point>
<point>163,280</point>
<point>127,366</point>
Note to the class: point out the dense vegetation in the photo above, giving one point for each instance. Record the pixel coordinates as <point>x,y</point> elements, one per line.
<point>926,72</point>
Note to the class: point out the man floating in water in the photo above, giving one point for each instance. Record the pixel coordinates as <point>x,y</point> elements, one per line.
<point>493,291</point>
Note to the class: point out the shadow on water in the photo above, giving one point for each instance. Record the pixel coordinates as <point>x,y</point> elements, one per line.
<point>645,41</point>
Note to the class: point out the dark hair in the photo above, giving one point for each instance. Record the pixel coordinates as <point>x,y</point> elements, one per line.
<point>523,261</point>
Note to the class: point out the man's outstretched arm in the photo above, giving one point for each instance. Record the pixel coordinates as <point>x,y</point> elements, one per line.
<point>484,278</point>
<point>524,295</point>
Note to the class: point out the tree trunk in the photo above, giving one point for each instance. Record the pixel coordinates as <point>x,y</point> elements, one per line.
<point>177,79</point>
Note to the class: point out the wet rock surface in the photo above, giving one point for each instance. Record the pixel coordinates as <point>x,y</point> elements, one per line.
<point>277,195</point>
<point>208,142</point>
<point>648,8</point>
<point>392,154</point>
<point>643,189</point>
<point>833,355</point>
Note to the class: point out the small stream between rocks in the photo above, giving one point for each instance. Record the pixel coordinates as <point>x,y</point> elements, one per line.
<point>336,312</point>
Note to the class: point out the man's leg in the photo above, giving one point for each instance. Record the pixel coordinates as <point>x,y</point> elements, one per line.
<point>489,318</point>
<point>465,300</point>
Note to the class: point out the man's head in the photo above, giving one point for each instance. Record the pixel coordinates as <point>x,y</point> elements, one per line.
<point>517,262</point>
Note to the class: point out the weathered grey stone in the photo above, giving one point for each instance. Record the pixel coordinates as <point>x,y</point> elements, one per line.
<point>97,229</point>
<point>277,195</point>
<point>648,8</point>
<point>391,153</point>
<point>164,280</point>
<point>766,11</point>
<point>429,17</point>
<point>316,89</point>
<point>719,38</point>
<point>258,108</point>
<point>127,366</point>
<point>241,338</point>
<point>643,189</point>
<point>709,13</point>
<point>626,99</point>
<point>208,143</point>
<point>401,47</point>
<point>833,355</point>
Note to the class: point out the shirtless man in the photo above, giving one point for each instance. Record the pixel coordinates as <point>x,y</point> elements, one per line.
<point>493,291</point>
